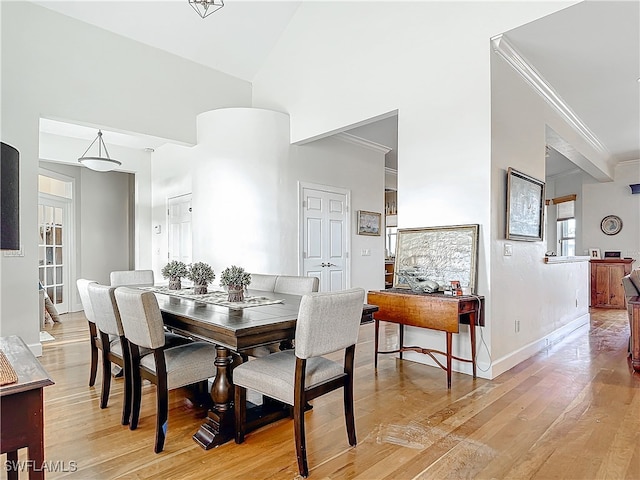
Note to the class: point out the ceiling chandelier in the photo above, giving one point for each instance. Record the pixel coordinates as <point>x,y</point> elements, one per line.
<point>99,163</point>
<point>206,7</point>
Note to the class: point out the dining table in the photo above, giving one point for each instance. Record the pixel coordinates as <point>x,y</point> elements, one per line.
<point>236,332</point>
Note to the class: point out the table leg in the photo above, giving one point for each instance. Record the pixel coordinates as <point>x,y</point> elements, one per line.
<point>220,424</point>
<point>401,339</point>
<point>449,345</point>
<point>472,331</point>
<point>12,465</point>
<point>375,343</point>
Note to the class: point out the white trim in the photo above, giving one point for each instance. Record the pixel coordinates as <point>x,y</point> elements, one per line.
<point>363,142</point>
<point>36,348</point>
<point>561,259</point>
<point>520,64</point>
<point>626,163</point>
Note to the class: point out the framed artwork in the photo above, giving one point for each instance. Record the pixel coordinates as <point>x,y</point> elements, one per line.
<point>525,207</point>
<point>611,225</point>
<point>437,254</point>
<point>369,223</point>
<point>594,253</point>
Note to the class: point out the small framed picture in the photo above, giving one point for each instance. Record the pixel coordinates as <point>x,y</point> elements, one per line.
<point>594,253</point>
<point>369,223</point>
<point>612,254</point>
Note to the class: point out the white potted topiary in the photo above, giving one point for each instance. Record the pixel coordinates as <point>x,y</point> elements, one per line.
<point>235,279</point>
<point>174,271</point>
<point>201,274</point>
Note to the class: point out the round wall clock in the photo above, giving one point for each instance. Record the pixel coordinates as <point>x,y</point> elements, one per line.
<point>611,225</point>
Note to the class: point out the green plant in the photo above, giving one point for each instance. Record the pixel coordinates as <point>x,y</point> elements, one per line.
<point>235,276</point>
<point>174,269</point>
<point>200,273</point>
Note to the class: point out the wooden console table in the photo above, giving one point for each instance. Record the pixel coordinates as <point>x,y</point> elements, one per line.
<point>635,333</point>
<point>21,409</point>
<point>432,311</point>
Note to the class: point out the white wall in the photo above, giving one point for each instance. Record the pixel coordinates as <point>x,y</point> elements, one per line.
<point>613,198</point>
<point>60,68</point>
<point>430,61</point>
<point>244,177</point>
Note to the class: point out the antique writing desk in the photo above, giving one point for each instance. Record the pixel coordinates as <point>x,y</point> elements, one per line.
<point>233,332</point>
<point>433,311</point>
<point>21,408</point>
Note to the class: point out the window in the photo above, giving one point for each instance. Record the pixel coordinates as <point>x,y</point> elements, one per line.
<point>566,224</point>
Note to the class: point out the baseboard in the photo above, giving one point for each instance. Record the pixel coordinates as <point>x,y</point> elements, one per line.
<point>36,349</point>
<point>509,361</point>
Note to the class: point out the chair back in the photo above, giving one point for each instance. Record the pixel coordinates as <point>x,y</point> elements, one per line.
<point>141,317</point>
<point>105,309</point>
<point>296,285</point>
<point>328,322</point>
<point>83,289</point>
<point>132,277</point>
<point>261,281</point>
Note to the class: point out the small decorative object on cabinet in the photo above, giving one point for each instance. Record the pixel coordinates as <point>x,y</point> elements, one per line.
<point>201,274</point>
<point>606,282</point>
<point>235,279</point>
<point>174,271</point>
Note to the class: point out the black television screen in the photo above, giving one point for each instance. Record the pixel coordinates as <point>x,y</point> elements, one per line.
<point>9,198</point>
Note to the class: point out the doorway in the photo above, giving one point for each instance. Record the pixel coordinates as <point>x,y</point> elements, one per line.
<point>179,223</point>
<point>324,235</point>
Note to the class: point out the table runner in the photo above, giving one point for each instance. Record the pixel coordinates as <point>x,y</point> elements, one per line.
<point>217,297</point>
<point>7,373</point>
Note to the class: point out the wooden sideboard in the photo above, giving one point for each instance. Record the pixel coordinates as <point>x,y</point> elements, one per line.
<point>432,311</point>
<point>21,409</point>
<point>606,282</point>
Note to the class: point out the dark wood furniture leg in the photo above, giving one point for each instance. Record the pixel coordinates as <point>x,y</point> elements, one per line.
<point>93,333</point>
<point>220,425</point>
<point>375,343</point>
<point>12,465</point>
<point>401,339</point>
<point>635,333</point>
<point>472,334</point>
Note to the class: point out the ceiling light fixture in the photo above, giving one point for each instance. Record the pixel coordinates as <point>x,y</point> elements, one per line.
<point>206,7</point>
<point>99,163</point>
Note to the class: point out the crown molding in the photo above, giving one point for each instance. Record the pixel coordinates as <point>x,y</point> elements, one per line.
<point>347,137</point>
<point>628,163</point>
<point>520,64</point>
<point>390,171</point>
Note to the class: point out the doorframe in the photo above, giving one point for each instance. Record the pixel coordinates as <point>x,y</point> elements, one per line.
<point>349,220</point>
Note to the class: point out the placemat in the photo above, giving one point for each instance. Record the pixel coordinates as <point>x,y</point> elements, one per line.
<point>217,297</point>
<point>7,373</point>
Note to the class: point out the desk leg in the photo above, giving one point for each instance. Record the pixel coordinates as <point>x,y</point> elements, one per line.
<point>375,343</point>
<point>12,465</point>
<point>401,339</point>
<point>220,424</point>
<point>472,331</point>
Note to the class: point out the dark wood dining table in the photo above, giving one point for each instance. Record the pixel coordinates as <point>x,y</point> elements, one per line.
<point>235,332</point>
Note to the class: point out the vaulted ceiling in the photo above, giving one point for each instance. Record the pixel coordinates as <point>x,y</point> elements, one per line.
<point>589,52</point>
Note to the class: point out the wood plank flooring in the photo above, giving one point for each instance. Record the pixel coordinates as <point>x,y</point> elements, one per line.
<point>570,412</point>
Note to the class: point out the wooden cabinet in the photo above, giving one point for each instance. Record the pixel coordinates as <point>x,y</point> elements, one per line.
<point>388,273</point>
<point>606,282</point>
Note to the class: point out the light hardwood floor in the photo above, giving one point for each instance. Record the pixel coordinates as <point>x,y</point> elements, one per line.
<point>571,412</point>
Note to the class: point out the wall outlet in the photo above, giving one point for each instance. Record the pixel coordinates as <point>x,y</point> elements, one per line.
<point>517,326</point>
<point>508,249</point>
<point>365,252</point>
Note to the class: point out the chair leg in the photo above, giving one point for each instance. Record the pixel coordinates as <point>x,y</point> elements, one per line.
<point>348,412</point>
<point>106,374</point>
<point>240,407</point>
<point>128,374</point>
<point>136,396</point>
<point>301,447</point>
<point>94,354</point>
<point>162,414</point>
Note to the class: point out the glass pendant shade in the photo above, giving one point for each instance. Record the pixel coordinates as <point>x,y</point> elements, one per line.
<point>99,163</point>
<point>206,7</point>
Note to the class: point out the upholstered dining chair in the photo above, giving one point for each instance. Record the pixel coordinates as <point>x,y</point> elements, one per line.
<point>294,285</point>
<point>264,282</point>
<point>115,348</point>
<point>327,322</point>
<point>143,278</point>
<point>167,368</point>
<point>94,340</point>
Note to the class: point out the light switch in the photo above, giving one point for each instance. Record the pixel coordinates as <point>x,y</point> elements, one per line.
<point>508,249</point>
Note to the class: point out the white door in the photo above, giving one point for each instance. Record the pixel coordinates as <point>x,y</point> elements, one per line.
<point>53,249</point>
<point>179,222</point>
<point>324,236</point>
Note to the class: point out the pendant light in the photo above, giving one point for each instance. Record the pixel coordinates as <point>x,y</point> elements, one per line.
<point>99,163</point>
<point>206,7</point>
